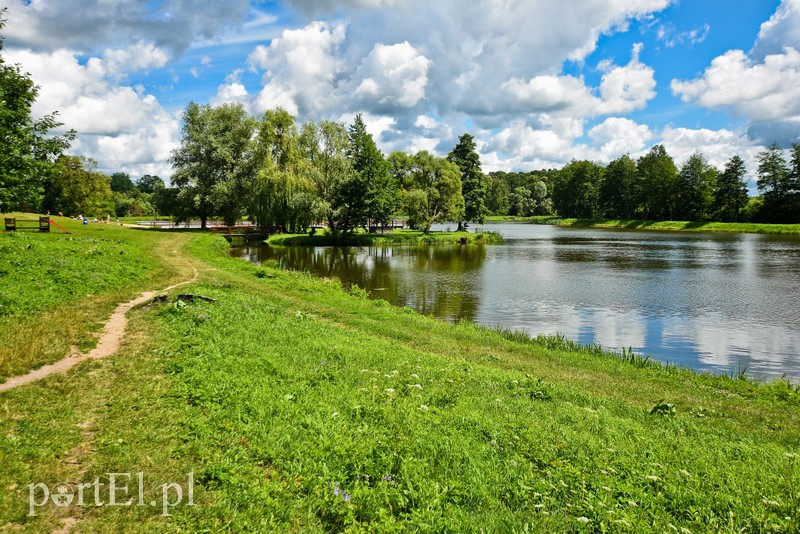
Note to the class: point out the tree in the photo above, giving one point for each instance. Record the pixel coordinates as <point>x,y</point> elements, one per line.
<point>373,192</point>
<point>576,189</point>
<point>27,150</point>
<point>696,181</point>
<point>777,185</point>
<point>77,188</point>
<point>121,182</point>
<point>730,193</point>
<point>324,146</point>
<point>657,188</point>
<point>148,183</point>
<point>473,182</point>
<point>281,175</point>
<point>497,193</point>
<point>215,162</point>
<point>617,192</point>
<point>434,190</point>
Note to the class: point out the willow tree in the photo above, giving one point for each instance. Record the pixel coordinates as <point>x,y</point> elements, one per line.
<point>283,193</point>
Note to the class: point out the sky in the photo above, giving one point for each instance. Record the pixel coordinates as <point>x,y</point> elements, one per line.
<point>536,82</point>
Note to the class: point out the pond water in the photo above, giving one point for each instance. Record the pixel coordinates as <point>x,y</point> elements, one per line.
<point>716,302</point>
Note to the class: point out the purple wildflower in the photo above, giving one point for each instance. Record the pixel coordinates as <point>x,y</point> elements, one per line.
<point>346,497</point>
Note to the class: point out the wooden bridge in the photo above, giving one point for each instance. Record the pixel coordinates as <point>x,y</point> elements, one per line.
<point>246,233</point>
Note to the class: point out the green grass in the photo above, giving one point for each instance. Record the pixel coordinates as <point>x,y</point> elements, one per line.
<point>637,224</point>
<point>56,289</point>
<point>398,237</point>
<point>287,389</point>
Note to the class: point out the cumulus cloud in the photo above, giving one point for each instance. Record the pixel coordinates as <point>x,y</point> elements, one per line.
<point>140,56</point>
<point>622,90</point>
<point>617,136</point>
<point>121,127</point>
<point>300,69</point>
<point>780,31</point>
<point>85,24</point>
<point>392,76</point>
<point>763,92</point>
<point>760,86</point>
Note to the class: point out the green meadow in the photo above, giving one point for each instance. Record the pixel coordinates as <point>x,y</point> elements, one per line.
<point>298,406</point>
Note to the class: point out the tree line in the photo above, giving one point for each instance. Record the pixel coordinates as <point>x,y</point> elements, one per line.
<point>278,173</point>
<point>653,187</point>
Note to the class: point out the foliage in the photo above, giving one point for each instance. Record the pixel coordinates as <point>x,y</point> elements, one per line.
<point>148,183</point>
<point>696,181</point>
<point>473,182</point>
<point>576,189</point>
<point>121,183</point>
<point>658,184</point>
<point>215,160</point>
<point>730,192</point>
<point>619,188</point>
<point>432,189</point>
<point>281,185</point>
<point>27,149</point>
<point>780,184</point>
<point>371,194</point>
<point>76,188</point>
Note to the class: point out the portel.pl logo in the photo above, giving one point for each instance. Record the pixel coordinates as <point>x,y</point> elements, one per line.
<point>122,489</point>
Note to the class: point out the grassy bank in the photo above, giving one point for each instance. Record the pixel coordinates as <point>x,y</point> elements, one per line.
<point>299,407</point>
<point>56,289</point>
<point>398,237</point>
<point>635,224</point>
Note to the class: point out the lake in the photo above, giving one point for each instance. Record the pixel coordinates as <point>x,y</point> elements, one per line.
<point>710,301</point>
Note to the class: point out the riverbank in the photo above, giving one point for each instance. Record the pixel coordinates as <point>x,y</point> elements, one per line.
<point>398,237</point>
<point>297,406</point>
<point>636,224</point>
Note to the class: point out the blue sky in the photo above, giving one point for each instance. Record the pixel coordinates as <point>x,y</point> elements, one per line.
<point>537,83</point>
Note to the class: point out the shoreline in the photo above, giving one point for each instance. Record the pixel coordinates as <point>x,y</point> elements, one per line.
<point>663,226</point>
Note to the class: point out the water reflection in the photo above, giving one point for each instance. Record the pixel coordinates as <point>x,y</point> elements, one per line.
<point>714,302</point>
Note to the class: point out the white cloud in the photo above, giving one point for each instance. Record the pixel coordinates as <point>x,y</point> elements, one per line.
<point>301,67</point>
<point>392,76</point>
<point>121,127</point>
<point>622,90</point>
<point>140,56</point>
<point>86,25</point>
<point>672,38</point>
<point>780,31</point>
<point>718,146</point>
<point>617,136</point>
<point>628,88</point>
<point>762,92</point>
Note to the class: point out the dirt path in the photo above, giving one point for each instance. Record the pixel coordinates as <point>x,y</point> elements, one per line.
<point>108,343</point>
